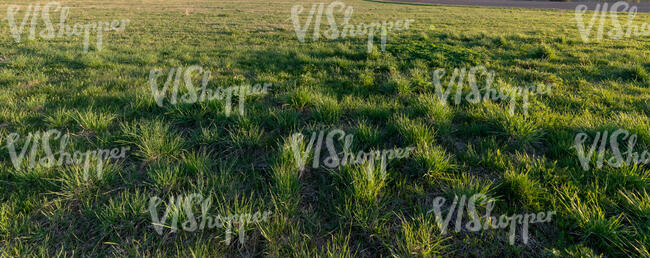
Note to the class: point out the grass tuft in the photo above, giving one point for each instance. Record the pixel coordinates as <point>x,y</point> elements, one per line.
<point>154,140</point>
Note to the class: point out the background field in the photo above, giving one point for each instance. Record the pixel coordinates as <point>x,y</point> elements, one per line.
<point>103,100</point>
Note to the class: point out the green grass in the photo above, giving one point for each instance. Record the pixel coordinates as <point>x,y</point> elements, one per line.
<point>385,99</point>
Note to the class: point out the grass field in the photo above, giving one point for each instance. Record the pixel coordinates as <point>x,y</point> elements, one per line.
<point>245,161</point>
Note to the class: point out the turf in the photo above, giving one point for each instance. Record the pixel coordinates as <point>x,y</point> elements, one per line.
<point>244,162</point>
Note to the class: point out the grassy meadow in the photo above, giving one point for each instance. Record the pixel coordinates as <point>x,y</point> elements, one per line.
<point>527,162</point>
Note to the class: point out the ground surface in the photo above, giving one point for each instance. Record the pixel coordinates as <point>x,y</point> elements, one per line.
<point>385,99</point>
<point>641,7</point>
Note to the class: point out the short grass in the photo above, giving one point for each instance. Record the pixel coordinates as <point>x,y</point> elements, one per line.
<point>245,163</point>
